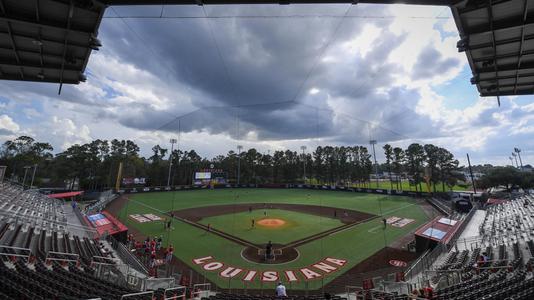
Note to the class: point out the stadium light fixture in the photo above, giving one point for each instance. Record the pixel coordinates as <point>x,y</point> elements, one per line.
<point>172,141</point>
<point>33,175</point>
<point>26,168</point>
<point>239,148</point>
<point>515,157</point>
<point>304,161</point>
<point>518,151</point>
<point>373,143</point>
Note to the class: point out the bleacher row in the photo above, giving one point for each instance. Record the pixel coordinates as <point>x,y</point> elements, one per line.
<point>500,264</point>
<point>510,221</point>
<point>31,207</point>
<point>42,242</point>
<point>500,285</point>
<point>23,281</point>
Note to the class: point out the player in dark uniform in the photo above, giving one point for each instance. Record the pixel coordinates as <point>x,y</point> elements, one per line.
<point>252,223</point>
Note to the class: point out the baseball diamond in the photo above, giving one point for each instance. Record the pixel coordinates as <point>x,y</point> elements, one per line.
<point>316,236</point>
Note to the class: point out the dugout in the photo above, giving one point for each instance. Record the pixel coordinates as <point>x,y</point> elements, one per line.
<point>439,230</point>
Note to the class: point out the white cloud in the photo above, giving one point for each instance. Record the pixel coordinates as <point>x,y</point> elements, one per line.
<point>8,126</point>
<point>67,131</point>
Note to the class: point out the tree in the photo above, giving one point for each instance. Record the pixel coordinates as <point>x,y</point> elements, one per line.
<point>415,156</point>
<point>508,177</point>
<point>431,156</point>
<point>388,152</point>
<point>448,168</point>
<point>398,162</point>
<point>24,151</point>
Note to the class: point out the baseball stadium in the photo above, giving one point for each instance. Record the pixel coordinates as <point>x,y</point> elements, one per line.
<point>318,150</point>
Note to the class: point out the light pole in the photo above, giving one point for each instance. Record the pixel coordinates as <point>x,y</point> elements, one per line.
<point>33,175</point>
<point>172,141</point>
<point>518,151</point>
<point>515,157</point>
<point>25,173</point>
<point>304,161</point>
<point>239,148</point>
<point>373,143</point>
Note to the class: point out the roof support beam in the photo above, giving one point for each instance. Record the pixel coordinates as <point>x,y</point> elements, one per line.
<point>37,10</point>
<point>40,52</point>
<point>525,12</point>
<point>515,85</point>
<point>43,24</point>
<point>500,42</point>
<point>509,67</point>
<point>495,67</point>
<point>69,18</point>
<point>518,92</point>
<point>46,39</point>
<point>37,66</point>
<point>492,79</point>
<point>506,55</point>
<point>13,44</point>
<point>477,6</point>
<point>4,76</point>
<point>498,25</point>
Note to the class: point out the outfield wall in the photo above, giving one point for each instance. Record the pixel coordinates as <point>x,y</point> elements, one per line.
<point>135,190</point>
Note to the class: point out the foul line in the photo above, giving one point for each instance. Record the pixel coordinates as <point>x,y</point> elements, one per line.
<point>372,218</point>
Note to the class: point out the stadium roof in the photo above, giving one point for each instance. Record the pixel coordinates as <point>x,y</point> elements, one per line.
<point>220,2</point>
<point>51,40</point>
<point>47,40</point>
<point>498,38</point>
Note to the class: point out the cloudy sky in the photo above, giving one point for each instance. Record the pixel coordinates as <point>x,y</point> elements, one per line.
<point>274,77</point>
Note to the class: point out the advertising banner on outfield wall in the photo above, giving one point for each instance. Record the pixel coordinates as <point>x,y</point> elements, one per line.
<point>282,186</point>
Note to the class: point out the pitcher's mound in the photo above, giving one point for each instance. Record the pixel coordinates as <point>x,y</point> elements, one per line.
<point>271,222</point>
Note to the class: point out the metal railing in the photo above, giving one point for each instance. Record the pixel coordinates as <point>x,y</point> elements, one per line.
<point>178,292</point>
<point>425,261</point>
<point>15,252</point>
<point>105,198</point>
<point>199,289</point>
<point>134,295</point>
<point>127,256</point>
<point>157,283</point>
<point>62,257</point>
<point>461,228</point>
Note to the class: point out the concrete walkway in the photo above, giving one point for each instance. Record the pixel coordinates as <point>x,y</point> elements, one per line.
<point>471,231</point>
<point>74,225</point>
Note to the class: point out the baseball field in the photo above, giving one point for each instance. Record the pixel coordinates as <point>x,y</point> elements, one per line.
<point>317,235</point>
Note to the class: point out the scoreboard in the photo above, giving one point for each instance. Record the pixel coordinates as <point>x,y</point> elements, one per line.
<point>210,176</point>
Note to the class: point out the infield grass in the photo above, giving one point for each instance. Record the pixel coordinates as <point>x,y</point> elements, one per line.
<point>297,225</point>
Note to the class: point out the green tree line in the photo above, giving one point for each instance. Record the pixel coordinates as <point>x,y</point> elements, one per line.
<point>95,165</point>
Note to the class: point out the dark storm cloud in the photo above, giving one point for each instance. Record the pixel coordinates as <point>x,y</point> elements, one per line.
<point>430,62</point>
<point>245,61</point>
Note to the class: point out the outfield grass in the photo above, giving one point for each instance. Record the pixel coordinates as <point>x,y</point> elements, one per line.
<point>297,226</point>
<point>354,244</point>
<point>405,186</point>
